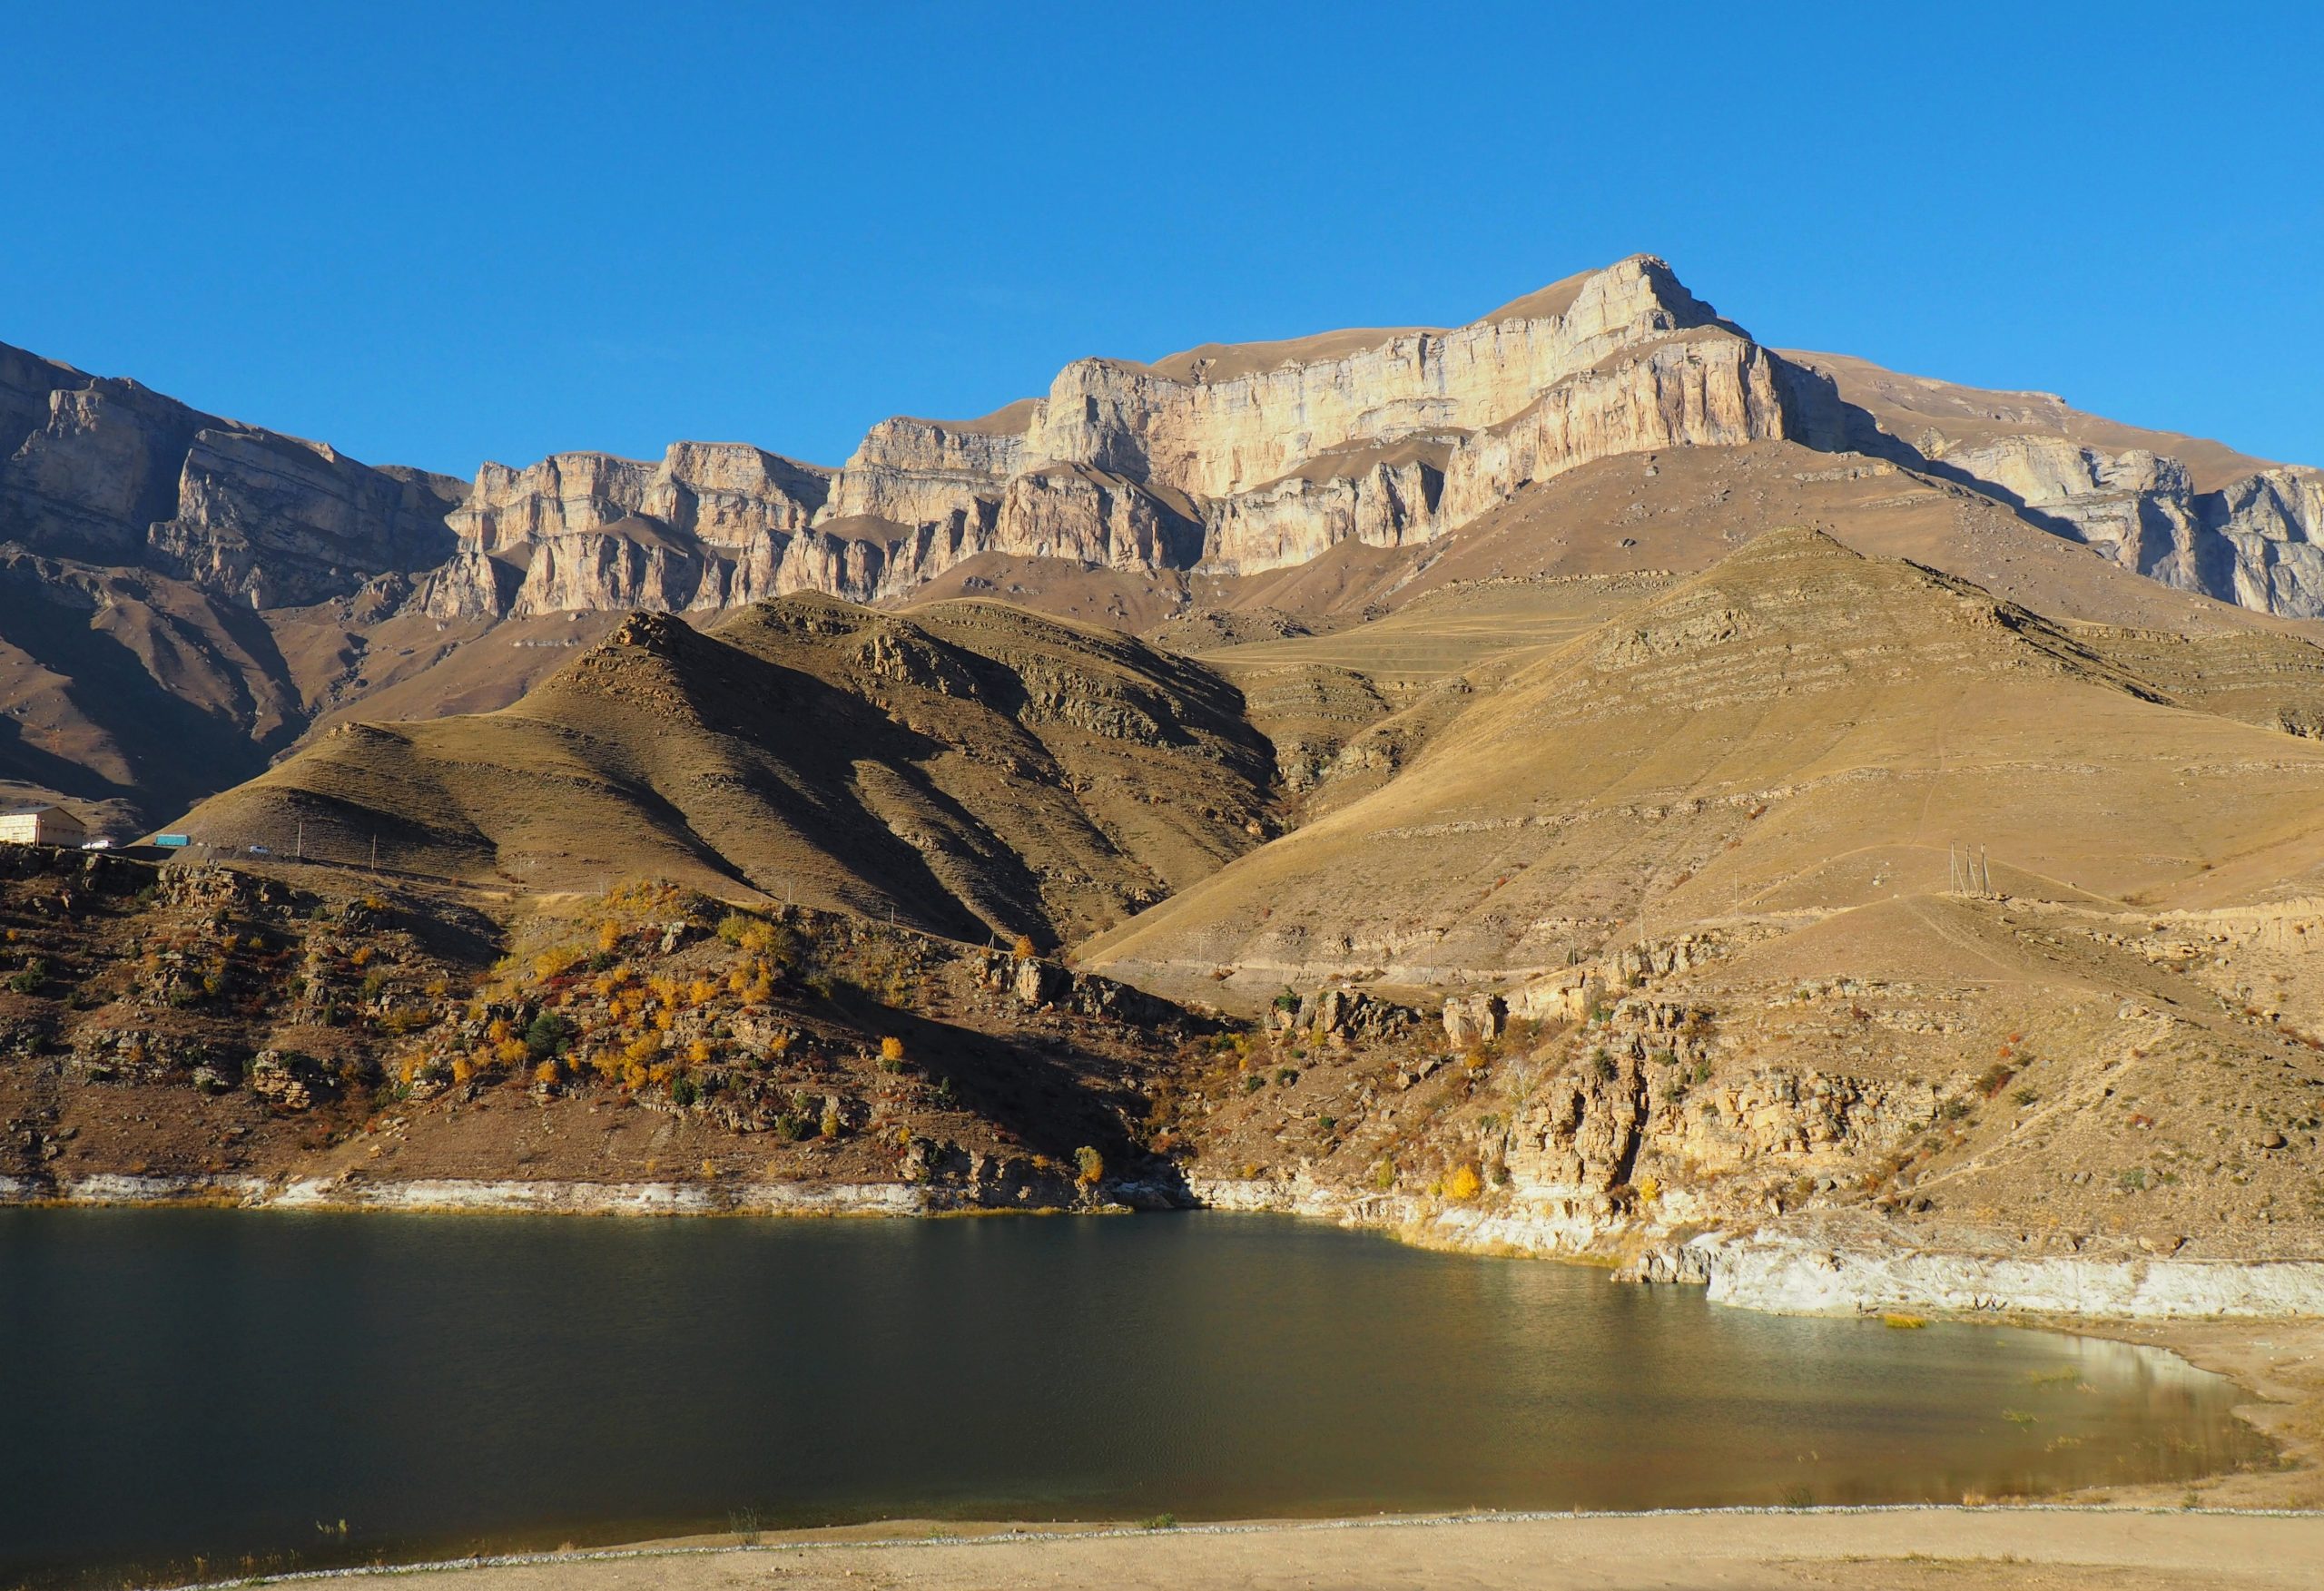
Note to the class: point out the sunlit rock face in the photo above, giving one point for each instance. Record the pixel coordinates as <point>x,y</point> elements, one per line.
<point>2252,542</point>
<point>1238,458</point>
<point>1233,457</point>
<point>105,472</point>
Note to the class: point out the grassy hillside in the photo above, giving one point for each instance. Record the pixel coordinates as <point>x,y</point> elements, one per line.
<point>972,770</point>
<point>1800,730</point>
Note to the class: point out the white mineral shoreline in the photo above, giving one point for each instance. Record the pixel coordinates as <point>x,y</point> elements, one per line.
<point>1766,1270</point>
<point>1780,1273</point>
<point>462,1197</point>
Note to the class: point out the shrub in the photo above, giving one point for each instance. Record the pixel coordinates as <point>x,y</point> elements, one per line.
<point>1088,1168</point>
<point>1383,1175</point>
<point>891,1048</point>
<point>547,1034</point>
<point>1463,1182</point>
<point>30,979</point>
<point>1022,950</point>
<point>556,962</point>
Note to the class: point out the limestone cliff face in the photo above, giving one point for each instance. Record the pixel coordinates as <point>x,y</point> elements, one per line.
<point>909,471</point>
<point>1232,458</point>
<point>2252,542</point>
<point>1381,499</point>
<point>1207,423</point>
<point>2189,511</point>
<point>582,531</point>
<point>1238,458</point>
<point>1634,1117</point>
<point>104,472</point>
<point>1707,388</point>
<point>720,493</point>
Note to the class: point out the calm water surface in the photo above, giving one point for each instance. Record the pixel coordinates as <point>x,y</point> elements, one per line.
<point>226,1384</point>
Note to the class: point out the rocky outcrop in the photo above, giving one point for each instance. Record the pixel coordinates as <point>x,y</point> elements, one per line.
<point>1707,388</point>
<point>722,494</point>
<point>107,472</point>
<point>1380,498</point>
<point>2178,509</point>
<point>1235,459</point>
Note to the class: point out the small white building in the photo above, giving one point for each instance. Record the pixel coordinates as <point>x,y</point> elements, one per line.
<point>42,825</point>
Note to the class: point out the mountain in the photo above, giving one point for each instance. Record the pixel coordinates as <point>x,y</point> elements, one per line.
<point>1815,915</point>
<point>1798,731</point>
<point>104,471</point>
<point>210,592</point>
<point>971,769</point>
<point>2187,511</point>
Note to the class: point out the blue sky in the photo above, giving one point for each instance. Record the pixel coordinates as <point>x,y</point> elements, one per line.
<point>440,234</point>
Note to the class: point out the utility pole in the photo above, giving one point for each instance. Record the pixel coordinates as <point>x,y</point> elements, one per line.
<point>375,853</point>
<point>302,839</point>
<point>1988,867</point>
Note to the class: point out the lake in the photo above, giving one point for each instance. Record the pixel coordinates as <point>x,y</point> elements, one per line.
<point>228,1386</point>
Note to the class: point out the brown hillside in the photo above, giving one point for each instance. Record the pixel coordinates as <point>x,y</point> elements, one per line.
<point>972,770</point>
<point>1799,731</point>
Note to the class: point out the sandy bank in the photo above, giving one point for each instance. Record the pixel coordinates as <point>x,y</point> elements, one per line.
<point>2058,1550</point>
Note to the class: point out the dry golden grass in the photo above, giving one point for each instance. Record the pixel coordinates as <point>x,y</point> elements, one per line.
<point>973,770</point>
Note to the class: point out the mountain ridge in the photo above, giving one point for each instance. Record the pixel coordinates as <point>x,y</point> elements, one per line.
<point>1168,488</point>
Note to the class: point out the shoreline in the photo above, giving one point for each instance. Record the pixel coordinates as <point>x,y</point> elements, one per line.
<point>2277,1364</point>
<point>1903,1545</point>
<point>1804,1269</point>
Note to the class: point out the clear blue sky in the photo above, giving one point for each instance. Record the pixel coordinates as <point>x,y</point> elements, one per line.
<point>436,234</point>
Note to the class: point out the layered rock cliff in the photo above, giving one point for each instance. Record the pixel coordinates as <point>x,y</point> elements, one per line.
<point>103,471</point>
<point>2180,509</point>
<point>1223,459</point>
<point>1233,458</point>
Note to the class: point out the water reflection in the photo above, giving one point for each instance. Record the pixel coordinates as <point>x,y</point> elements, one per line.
<point>220,1384</point>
